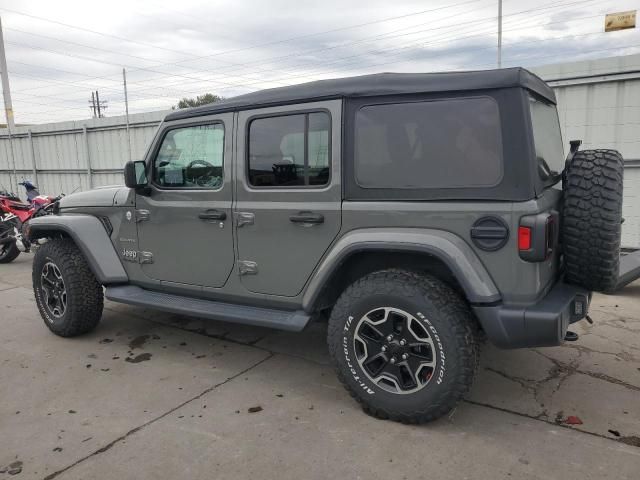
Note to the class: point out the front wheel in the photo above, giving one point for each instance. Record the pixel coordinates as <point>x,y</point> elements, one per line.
<point>68,295</point>
<point>404,345</point>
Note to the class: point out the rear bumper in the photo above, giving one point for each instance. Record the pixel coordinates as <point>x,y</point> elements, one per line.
<point>542,324</point>
<point>629,269</point>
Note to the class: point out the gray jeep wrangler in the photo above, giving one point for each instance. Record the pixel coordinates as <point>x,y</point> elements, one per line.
<point>419,213</point>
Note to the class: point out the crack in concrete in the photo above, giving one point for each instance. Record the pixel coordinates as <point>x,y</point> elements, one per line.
<point>623,356</point>
<point>9,288</point>
<point>153,420</point>
<point>616,322</point>
<point>544,420</point>
<point>561,372</point>
<point>525,383</point>
<point>556,372</point>
<point>573,368</point>
<point>607,339</point>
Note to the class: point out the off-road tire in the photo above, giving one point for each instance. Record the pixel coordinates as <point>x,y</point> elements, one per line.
<point>444,314</point>
<point>592,219</point>
<point>84,295</point>
<point>8,252</point>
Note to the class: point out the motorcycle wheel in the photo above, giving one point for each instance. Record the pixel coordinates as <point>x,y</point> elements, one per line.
<point>8,251</point>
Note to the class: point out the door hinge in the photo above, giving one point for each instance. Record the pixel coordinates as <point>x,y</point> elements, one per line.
<point>247,267</point>
<point>142,215</point>
<point>244,218</point>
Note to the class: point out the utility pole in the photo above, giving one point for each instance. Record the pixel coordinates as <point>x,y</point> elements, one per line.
<point>93,104</point>
<point>499,33</point>
<point>96,106</point>
<point>126,109</point>
<point>8,108</point>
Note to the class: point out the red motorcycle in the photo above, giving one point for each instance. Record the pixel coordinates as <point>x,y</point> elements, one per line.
<point>14,214</point>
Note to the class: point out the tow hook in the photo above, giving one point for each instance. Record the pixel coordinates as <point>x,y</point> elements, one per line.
<point>571,336</point>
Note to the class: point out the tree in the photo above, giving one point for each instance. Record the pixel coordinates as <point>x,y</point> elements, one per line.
<point>199,100</point>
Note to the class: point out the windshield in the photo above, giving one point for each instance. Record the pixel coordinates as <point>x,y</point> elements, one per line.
<point>547,139</point>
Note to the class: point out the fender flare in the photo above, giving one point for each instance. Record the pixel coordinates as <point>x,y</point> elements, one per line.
<point>92,239</point>
<point>447,247</point>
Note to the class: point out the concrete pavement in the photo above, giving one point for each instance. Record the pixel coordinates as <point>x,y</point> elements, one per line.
<point>153,395</point>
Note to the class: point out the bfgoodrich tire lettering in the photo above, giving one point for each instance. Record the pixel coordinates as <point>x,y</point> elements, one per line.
<point>80,311</point>
<point>452,341</point>
<point>591,219</point>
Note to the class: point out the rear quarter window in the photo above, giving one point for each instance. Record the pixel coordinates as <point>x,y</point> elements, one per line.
<point>431,144</point>
<point>547,139</point>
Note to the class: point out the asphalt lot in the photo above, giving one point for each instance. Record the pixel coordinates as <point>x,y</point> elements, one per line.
<point>153,395</point>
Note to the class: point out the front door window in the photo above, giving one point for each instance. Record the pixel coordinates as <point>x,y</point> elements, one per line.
<point>191,157</point>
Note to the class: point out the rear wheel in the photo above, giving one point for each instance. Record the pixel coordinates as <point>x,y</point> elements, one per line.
<point>69,297</point>
<point>404,345</point>
<point>592,218</point>
<point>8,251</point>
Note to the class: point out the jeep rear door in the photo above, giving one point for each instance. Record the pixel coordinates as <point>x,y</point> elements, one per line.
<point>184,220</point>
<point>288,193</point>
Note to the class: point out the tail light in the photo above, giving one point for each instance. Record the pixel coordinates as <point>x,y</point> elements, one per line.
<point>538,236</point>
<point>524,238</point>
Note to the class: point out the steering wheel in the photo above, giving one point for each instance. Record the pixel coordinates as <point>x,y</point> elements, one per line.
<point>201,180</point>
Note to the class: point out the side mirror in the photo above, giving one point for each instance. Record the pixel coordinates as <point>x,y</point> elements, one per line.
<point>135,174</point>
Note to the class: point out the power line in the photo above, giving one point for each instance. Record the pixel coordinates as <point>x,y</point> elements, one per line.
<point>235,84</point>
<point>463,51</point>
<point>132,69</point>
<point>543,57</point>
<point>447,38</point>
<point>195,57</point>
<point>340,59</point>
<point>100,49</point>
<point>431,29</point>
<point>306,75</point>
<point>459,52</point>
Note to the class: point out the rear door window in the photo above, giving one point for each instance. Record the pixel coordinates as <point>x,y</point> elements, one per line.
<point>431,144</point>
<point>290,150</point>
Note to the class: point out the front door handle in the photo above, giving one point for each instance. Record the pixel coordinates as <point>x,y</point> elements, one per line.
<point>212,215</point>
<point>307,217</point>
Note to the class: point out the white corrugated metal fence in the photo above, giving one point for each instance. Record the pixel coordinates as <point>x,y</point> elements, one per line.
<point>63,157</point>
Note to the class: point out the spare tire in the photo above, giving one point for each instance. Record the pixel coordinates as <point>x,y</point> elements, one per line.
<point>592,218</point>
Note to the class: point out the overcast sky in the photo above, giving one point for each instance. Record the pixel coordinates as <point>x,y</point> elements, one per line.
<point>59,51</point>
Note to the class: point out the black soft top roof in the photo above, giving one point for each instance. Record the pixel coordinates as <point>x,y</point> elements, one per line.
<point>375,85</point>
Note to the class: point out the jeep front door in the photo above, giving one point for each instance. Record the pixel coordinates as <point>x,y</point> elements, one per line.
<point>288,203</point>
<point>184,219</point>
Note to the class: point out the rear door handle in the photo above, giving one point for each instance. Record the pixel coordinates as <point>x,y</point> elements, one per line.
<point>307,217</point>
<point>212,215</point>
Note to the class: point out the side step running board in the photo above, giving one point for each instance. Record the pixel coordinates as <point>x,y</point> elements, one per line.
<point>629,269</point>
<point>261,317</point>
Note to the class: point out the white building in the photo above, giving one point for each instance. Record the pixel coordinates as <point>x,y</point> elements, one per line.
<point>599,103</point>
